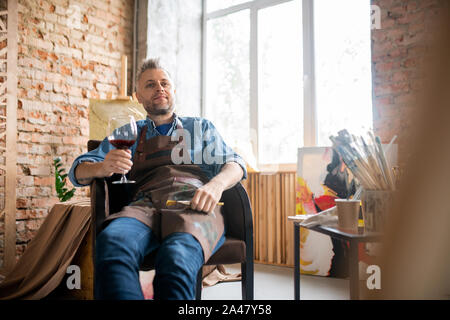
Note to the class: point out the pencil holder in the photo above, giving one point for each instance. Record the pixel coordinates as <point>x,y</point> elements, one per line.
<point>376,205</point>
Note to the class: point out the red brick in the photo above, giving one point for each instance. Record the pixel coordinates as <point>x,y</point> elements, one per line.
<point>383,67</point>
<point>411,63</point>
<point>23,203</point>
<point>20,249</point>
<point>386,101</point>
<point>31,213</point>
<point>407,99</point>
<point>43,202</point>
<point>25,236</point>
<point>26,181</point>
<point>44,181</point>
<point>397,12</point>
<point>412,17</point>
<point>42,54</point>
<point>401,76</point>
<point>389,89</point>
<point>40,171</point>
<point>75,140</point>
<point>65,70</point>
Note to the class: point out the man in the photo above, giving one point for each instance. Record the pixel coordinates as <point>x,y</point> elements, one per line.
<point>185,236</point>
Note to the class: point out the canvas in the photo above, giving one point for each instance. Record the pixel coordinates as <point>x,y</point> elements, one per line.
<point>321,179</point>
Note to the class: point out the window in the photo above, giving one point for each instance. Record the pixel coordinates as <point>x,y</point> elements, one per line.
<point>253,80</point>
<point>228,76</point>
<point>280,97</point>
<point>342,67</point>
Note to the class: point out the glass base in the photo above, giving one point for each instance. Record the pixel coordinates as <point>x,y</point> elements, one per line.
<point>122,182</point>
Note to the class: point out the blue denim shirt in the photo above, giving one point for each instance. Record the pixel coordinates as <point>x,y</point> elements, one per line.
<point>207,148</point>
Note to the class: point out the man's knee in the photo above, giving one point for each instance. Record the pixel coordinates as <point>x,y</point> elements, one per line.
<point>182,251</point>
<point>115,243</point>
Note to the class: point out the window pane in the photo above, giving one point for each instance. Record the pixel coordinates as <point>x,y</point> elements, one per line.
<point>343,67</point>
<point>213,5</point>
<point>280,82</point>
<point>228,76</point>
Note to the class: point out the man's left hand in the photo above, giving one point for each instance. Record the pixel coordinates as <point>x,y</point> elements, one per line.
<point>206,197</point>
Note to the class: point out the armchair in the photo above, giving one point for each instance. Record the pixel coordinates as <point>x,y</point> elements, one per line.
<point>108,198</point>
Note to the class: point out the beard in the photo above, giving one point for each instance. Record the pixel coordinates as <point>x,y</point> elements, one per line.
<point>155,110</point>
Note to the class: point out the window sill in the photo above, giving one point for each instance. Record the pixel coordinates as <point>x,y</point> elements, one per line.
<point>275,168</point>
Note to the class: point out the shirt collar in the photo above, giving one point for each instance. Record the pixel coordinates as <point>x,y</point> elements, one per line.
<point>151,124</point>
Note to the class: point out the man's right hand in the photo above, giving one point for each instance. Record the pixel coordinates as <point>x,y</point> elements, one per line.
<point>116,161</point>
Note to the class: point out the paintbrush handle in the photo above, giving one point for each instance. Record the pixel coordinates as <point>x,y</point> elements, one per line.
<point>385,166</point>
<point>378,157</point>
<point>185,202</point>
<point>360,168</point>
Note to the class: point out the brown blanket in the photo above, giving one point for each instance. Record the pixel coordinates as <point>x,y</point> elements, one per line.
<point>44,263</point>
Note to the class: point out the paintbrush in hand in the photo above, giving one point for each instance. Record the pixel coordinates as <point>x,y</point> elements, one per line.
<point>185,202</point>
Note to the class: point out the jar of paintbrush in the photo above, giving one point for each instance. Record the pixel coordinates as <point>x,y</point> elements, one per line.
<point>376,205</point>
<point>368,162</point>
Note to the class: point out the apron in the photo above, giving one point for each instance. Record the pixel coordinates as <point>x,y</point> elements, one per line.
<point>158,179</point>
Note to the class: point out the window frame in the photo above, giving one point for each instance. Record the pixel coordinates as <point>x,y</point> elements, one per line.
<point>309,106</point>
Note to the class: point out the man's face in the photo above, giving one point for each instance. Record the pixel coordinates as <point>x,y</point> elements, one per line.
<point>155,92</point>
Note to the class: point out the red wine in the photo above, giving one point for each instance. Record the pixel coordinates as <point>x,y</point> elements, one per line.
<point>122,143</point>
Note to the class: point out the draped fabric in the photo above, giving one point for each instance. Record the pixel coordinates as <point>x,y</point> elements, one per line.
<point>44,263</point>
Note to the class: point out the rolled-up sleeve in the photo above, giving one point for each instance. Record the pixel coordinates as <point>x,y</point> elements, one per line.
<point>96,155</point>
<point>219,152</point>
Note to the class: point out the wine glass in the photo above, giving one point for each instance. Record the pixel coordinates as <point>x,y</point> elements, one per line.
<point>122,135</point>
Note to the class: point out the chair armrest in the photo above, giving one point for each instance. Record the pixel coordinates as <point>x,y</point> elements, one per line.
<point>108,198</point>
<point>238,213</point>
<point>99,203</point>
<point>238,217</point>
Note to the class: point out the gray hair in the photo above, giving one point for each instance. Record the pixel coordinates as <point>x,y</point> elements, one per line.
<point>150,64</point>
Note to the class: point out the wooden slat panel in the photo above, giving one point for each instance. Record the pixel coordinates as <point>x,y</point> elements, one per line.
<point>278,219</point>
<point>270,219</point>
<point>265,205</point>
<point>289,226</point>
<point>260,217</point>
<point>248,183</point>
<point>285,214</point>
<point>272,197</point>
<point>273,219</point>
<point>263,218</point>
<point>256,210</point>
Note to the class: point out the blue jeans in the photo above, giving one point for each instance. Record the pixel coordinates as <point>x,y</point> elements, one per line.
<point>120,250</point>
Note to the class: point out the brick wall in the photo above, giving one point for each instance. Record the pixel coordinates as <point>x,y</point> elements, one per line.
<point>397,52</point>
<point>69,51</point>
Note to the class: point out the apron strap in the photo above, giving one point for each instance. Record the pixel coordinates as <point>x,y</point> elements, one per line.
<point>140,146</point>
<point>179,124</point>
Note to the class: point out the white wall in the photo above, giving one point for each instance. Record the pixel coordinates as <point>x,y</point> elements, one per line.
<point>174,35</point>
